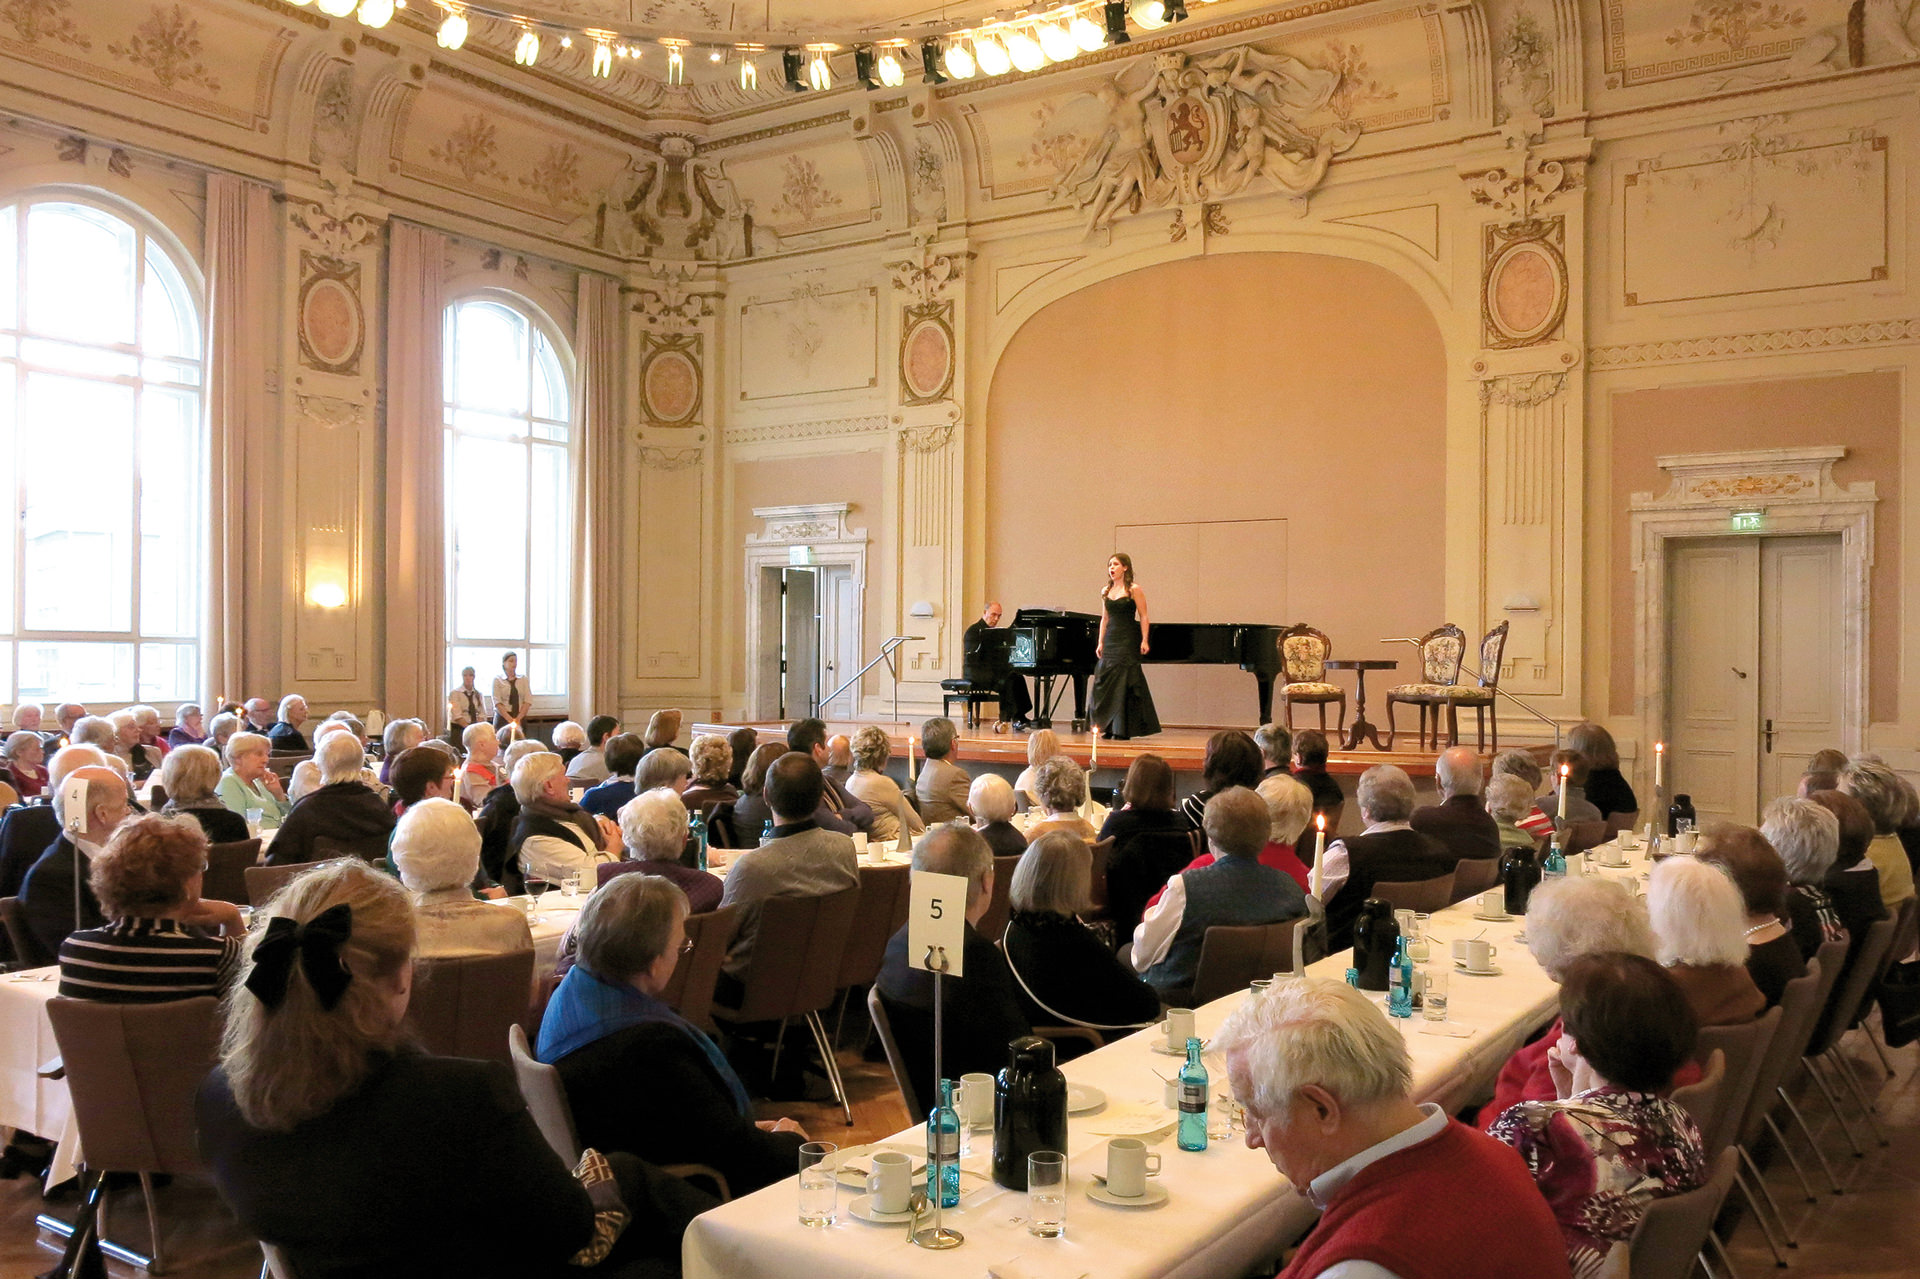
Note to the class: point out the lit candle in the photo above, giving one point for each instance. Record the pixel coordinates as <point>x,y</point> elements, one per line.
<point>1319,850</point>
<point>1659,764</point>
<point>913,772</point>
<point>1566,770</point>
<point>1093,761</point>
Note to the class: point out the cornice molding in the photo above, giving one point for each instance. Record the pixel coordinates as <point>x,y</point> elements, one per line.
<point>1824,337</point>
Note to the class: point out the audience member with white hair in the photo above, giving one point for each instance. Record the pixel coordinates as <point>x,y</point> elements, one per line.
<point>1389,850</point>
<point>220,731</point>
<point>869,783</point>
<point>992,799</point>
<point>1758,872</point>
<point>146,720</point>
<point>1807,837</point>
<point>250,784</point>
<point>1326,1081</point>
<point>569,738</point>
<point>191,776</point>
<point>436,850</point>
<point>1509,803</point>
<point>1459,820</point>
<point>1060,784</point>
<point>25,753</point>
<point>26,717</point>
<point>344,817</point>
<point>1289,805</point>
<point>189,726</point>
<point>399,737</point>
<point>1068,976</point>
<point>710,758</point>
<point>1609,1143</point>
<point>1567,918</point>
<point>481,772</point>
<point>48,898</point>
<point>1234,890</point>
<point>95,730</point>
<point>1521,764</point>
<point>554,837</point>
<point>653,830</point>
<point>638,1076</point>
<point>126,743</point>
<point>1042,745</point>
<point>26,831</point>
<point>663,766</point>
<point>285,732</point>
<point>1879,790</point>
<point>1699,926</point>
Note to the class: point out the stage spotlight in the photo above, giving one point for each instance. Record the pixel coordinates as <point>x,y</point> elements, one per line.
<point>792,67</point>
<point>1086,33</point>
<point>892,74</point>
<point>930,64</point>
<point>453,31</point>
<point>526,50</point>
<point>863,68</point>
<point>337,8</point>
<point>1025,51</point>
<point>1116,11</point>
<point>1150,14</point>
<point>1056,43</point>
<point>958,61</point>
<point>991,55</point>
<point>749,75</point>
<point>375,13</point>
<point>602,59</point>
<point>820,71</point>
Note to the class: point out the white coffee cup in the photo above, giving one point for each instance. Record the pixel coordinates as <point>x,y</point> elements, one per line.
<point>1179,1028</point>
<point>1684,843</point>
<point>1129,1164</point>
<point>976,1100</point>
<point>1629,840</point>
<point>1493,902</point>
<point>1474,954</point>
<point>891,1181</point>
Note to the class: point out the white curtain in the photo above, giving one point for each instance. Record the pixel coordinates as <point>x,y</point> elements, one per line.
<point>241,653</point>
<point>597,349</point>
<point>416,580</point>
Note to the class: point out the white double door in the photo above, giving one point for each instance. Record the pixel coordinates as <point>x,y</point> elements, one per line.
<point>1753,668</point>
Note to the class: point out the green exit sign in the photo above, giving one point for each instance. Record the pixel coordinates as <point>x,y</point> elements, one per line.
<point>1748,521</point>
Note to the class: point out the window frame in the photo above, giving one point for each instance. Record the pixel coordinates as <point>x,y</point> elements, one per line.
<point>150,234</point>
<point>541,323</point>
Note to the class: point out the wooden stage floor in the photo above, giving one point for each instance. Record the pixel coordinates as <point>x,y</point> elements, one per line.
<point>1184,748</point>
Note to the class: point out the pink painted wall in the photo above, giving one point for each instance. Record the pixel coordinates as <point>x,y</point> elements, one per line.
<point>1858,410</point>
<point>1241,386</point>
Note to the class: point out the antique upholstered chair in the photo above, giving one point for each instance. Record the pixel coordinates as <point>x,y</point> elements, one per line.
<point>1303,662</point>
<point>1482,697</point>
<point>1441,651</point>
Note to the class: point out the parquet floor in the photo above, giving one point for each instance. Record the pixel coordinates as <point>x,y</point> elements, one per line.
<point>1871,1231</point>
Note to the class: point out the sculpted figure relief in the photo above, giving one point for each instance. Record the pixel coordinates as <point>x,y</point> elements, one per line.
<point>1202,129</point>
<point>676,201</point>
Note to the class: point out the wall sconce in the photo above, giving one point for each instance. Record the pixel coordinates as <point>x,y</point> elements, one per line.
<point>327,595</point>
<point>1521,603</point>
<point>921,608</point>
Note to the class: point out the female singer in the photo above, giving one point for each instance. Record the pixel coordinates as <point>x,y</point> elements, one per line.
<point>1122,705</point>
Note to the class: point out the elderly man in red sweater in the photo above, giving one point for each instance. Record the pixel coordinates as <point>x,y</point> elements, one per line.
<point>1404,1192</point>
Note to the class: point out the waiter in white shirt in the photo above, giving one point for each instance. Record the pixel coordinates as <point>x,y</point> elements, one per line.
<point>512,695</point>
<point>465,705</point>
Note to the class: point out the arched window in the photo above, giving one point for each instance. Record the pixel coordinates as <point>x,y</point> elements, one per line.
<point>103,573</point>
<point>509,495</point>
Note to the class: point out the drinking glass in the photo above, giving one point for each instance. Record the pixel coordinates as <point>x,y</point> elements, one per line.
<point>535,886</point>
<point>570,884</point>
<point>1047,1194</point>
<point>819,1191</point>
<point>254,818</point>
<point>1435,1007</point>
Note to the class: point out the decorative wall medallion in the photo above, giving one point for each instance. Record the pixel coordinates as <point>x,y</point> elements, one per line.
<point>333,327</point>
<point>670,379</point>
<point>1524,296</point>
<point>926,354</point>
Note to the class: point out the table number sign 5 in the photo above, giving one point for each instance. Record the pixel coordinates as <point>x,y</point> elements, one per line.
<point>936,919</point>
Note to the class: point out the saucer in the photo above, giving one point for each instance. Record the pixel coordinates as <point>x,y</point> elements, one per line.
<point>1082,1099</point>
<point>860,1158</point>
<point>862,1207</point>
<point>1166,1051</point>
<point>1460,967</point>
<point>1154,1195</point>
<point>1502,918</point>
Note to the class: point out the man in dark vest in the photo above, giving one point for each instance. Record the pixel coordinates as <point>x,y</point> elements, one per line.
<point>1236,889</point>
<point>1460,820</point>
<point>1389,850</point>
<point>989,672</point>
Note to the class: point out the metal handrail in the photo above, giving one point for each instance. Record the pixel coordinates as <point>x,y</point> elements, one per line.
<point>888,648</point>
<point>1544,718</point>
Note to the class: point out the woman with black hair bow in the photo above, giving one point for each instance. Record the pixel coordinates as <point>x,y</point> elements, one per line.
<point>331,1138</point>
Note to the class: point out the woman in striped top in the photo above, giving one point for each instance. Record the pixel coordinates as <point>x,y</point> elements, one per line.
<point>161,940</point>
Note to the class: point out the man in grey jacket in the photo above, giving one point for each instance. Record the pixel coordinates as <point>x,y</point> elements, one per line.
<point>801,860</point>
<point>943,784</point>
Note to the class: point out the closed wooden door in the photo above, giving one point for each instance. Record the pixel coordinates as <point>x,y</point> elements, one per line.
<point>1753,679</point>
<point>799,642</point>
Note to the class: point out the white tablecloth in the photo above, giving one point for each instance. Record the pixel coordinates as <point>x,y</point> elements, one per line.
<point>1229,1208</point>
<point>27,1102</point>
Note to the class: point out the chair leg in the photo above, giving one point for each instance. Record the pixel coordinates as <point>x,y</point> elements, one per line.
<point>1867,1108</point>
<point>831,1066</point>
<point>1720,1251</point>
<point>1323,717</point>
<point>1493,725</point>
<point>1343,714</point>
<point>1833,1182</point>
<point>159,1264</point>
<point>1760,1180</point>
<point>1453,723</point>
<point>1391,728</point>
<point>1766,1226</point>
<point>779,1042</point>
<point>1873,1040</point>
<point>840,1018</point>
<point>1780,1139</point>
<point>1833,1104</point>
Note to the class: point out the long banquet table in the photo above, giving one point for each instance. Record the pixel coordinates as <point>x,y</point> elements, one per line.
<point>1229,1209</point>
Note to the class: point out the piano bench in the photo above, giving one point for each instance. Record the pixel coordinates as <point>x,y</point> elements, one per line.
<point>960,690</point>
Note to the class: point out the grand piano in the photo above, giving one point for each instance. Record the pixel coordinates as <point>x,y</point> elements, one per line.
<point>1047,645</point>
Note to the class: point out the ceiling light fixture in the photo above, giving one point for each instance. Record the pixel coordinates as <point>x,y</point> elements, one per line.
<point>602,59</point>
<point>1025,51</point>
<point>991,55</point>
<point>1116,14</point>
<point>1151,14</point>
<point>453,30</point>
<point>792,68</point>
<point>715,56</point>
<point>749,75</point>
<point>566,42</point>
<point>892,74</point>
<point>958,62</point>
<point>1086,33</point>
<point>820,71</point>
<point>676,65</point>
<point>526,50</point>
<point>1056,43</point>
<point>337,8</point>
<point>375,13</point>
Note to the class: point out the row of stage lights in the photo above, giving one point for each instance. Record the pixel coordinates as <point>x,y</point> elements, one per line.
<point>1023,44</point>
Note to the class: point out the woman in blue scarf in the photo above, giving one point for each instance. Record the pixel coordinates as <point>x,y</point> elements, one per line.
<point>639,1076</point>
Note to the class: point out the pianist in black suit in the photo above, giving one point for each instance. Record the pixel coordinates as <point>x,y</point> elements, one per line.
<point>983,670</point>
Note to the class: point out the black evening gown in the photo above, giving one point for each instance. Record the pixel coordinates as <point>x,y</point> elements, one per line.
<point>1122,705</point>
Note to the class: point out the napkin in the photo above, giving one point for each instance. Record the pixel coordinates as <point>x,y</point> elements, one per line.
<point>1447,1029</point>
<point>1021,1268</point>
<point>1130,1119</point>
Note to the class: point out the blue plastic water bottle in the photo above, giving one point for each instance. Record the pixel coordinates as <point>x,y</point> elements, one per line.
<point>943,1150</point>
<point>1193,1100</point>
